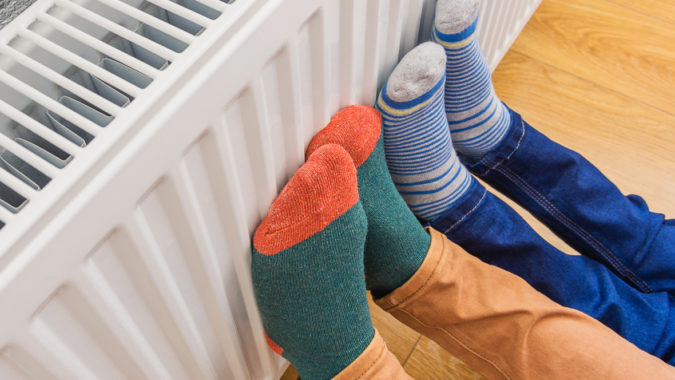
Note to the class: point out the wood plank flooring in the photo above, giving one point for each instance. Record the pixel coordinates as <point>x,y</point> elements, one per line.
<point>607,44</point>
<point>663,10</point>
<point>598,77</point>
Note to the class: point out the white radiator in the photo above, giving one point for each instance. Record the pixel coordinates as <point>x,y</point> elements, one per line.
<point>142,142</point>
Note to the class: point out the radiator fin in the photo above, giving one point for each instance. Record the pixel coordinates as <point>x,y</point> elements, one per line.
<point>66,76</point>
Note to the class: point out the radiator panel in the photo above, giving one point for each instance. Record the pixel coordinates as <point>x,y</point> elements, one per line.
<point>146,272</point>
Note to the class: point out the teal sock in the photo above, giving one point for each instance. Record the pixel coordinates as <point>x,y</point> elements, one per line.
<point>396,244</point>
<point>478,119</point>
<point>307,268</point>
<point>417,142</point>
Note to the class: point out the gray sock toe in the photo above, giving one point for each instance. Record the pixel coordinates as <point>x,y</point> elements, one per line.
<point>417,73</point>
<point>453,16</point>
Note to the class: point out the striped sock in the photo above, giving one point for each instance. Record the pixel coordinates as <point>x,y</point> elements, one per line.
<point>478,120</point>
<point>307,267</point>
<point>417,142</point>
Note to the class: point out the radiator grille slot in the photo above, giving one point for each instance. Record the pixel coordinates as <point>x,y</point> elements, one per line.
<point>67,75</point>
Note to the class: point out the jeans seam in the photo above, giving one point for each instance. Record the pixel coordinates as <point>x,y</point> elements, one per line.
<point>508,156</point>
<point>584,235</point>
<point>466,214</point>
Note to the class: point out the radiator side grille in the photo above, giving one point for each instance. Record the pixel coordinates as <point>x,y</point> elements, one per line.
<point>72,70</point>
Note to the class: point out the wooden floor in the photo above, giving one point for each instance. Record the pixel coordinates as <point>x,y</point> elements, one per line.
<point>598,77</point>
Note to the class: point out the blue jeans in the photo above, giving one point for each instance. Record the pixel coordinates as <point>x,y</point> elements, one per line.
<point>491,230</point>
<point>582,206</point>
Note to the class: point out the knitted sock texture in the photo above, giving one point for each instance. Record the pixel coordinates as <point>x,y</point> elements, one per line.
<point>307,267</point>
<point>477,118</point>
<point>417,142</point>
<point>396,243</point>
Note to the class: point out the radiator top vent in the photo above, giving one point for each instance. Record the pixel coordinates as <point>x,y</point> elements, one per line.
<point>71,70</point>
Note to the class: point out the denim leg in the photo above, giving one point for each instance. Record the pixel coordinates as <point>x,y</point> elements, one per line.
<point>491,230</point>
<point>582,206</point>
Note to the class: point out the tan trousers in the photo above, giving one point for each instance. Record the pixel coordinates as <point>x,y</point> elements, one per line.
<point>500,326</point>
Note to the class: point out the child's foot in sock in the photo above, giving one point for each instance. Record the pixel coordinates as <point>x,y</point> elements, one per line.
<point>478,119</point>
<point>307,267</point>
<point>417,143</point>
<point>396,244</point>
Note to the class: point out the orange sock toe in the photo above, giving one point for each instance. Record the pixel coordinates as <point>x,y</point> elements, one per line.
<point>324,188</point>
<point>356,128</point>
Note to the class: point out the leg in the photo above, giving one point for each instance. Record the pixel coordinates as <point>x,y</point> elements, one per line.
<point>307,268</point>
<point>582,206</point>
<point>395,243</point>
<point>493,232</point>
<point>558,186</point>
<point>504,329</point>
<point>609,297</point>
<point>478,119</point>
<point>420,157</point>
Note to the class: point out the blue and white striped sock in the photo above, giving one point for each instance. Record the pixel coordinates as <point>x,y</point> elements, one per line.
<point>417,142</point>
<point>478,119</point>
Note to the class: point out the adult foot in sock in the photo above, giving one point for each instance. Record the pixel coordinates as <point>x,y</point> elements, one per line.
<point>396,244</point>
<point>477,118</point>
<point>417,142</point>
<point>307,267</point>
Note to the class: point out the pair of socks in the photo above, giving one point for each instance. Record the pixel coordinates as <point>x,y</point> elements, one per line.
<point>340,227</point>
<point>337,228</point>
<point>441,95</point>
